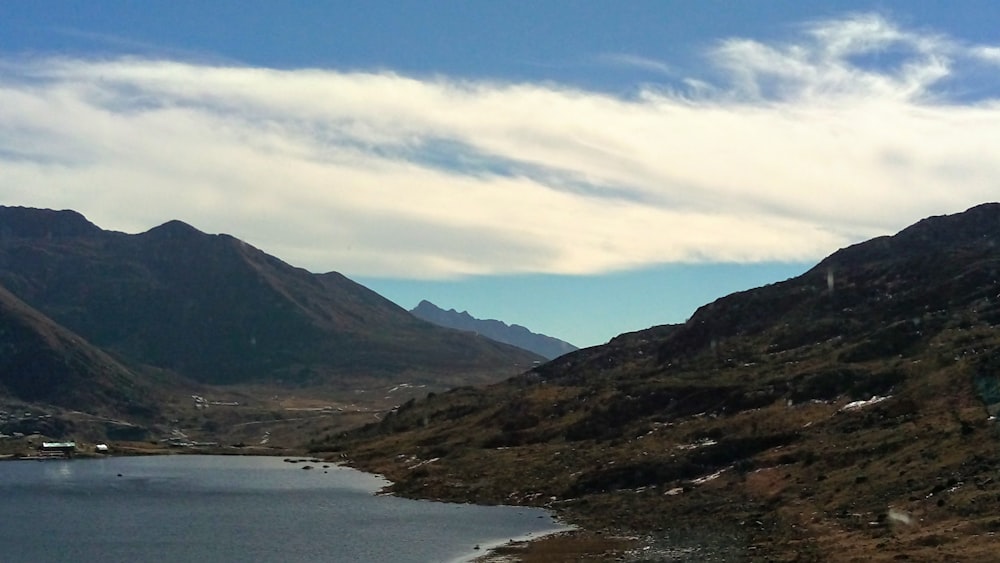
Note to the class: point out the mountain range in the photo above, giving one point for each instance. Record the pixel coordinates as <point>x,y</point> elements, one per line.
<point>515,335</point>
<point>89,314</point>
<point>846,414</point>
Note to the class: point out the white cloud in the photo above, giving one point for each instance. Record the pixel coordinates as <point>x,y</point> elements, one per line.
<point>988,54</point>
<point>802,148</point>
<point>826,64</point>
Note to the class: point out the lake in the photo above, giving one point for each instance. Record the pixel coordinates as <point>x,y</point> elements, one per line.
<point>234,508</point>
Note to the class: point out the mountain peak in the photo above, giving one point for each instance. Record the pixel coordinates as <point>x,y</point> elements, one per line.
<point>174,229</point>
<point>214,309</point>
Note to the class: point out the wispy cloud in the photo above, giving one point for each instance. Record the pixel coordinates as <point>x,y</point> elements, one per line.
<point>800,148</point>
<point>829,62</point>
<point>636,62</point>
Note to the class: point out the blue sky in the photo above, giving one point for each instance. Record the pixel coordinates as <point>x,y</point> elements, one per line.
<point>580,168</point>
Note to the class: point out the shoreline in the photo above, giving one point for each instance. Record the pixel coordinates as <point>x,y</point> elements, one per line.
<point>566,546</point>
<point>22,449</point>
<point>490,551</point>
<point>576,542</point>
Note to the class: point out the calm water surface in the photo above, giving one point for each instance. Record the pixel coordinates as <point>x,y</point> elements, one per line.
<point>233,508</point>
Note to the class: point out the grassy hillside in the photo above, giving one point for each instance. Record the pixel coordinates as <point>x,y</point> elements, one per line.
<point>844,415</point>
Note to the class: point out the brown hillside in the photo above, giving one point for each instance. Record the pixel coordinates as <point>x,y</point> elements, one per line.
<point>843,415</point>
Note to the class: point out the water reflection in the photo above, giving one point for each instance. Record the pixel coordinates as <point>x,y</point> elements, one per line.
<point>60,470</point>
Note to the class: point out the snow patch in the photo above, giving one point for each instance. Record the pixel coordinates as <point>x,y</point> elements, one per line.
<point>699,444</point>
<point>710,477</point>
<point>853,405</point>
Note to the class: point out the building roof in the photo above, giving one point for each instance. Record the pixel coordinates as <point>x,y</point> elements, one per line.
<point>56,445</point>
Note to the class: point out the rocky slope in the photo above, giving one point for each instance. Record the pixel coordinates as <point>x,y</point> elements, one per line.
<point>515,335</point>
<point>844,415</point>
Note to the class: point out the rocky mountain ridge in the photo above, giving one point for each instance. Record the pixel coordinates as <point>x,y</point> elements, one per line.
<point>515,335</point>
<point>218,310</point>
<point>115,311</point>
